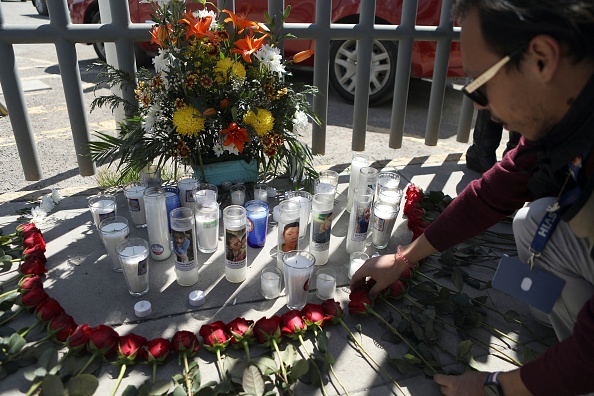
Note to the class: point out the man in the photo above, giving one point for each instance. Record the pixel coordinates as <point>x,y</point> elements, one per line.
<point>542,85</point>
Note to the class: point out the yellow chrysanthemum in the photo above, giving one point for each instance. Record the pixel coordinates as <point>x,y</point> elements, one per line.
<point>227,68</point>
<point>188,121</point>
<point>262,122</point>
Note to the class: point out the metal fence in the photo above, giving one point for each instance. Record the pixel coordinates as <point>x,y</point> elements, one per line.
<point>119,34</point>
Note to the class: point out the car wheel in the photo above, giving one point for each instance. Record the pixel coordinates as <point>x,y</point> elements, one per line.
<point>343,70</point>
<point>41,7</point>
<point>98,47</point>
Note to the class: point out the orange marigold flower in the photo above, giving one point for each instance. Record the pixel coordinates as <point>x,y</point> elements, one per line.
<point>247,46</point>
<point>205,81</point>
<point>303,55</point>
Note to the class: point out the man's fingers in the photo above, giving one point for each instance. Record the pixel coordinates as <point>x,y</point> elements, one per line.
<point>357,277</point>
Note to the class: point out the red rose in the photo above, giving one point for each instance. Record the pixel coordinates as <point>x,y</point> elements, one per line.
<point>130,348</point>
<point>33,298</point>
<point>359,302</point>
<point>333,310</point>
<point>292,324</point>
<point>415,215</point>
<point>38,254</point>
<point>34,249</point>
<point>313,314</point>
<point>406,273</point>
<point>268,329</point>
<point>26,228</point>
<point>79,338</point>
<point>34,239</point>
<point>158,350</point>
<point>32,266</point>
<point>62,326</point>
<point>241,329</point>
<point>396,289</point>
<point>48,309</point>
<point>214,336</point>
<point>185,342</point>
<point>103,340</point>
<point>30,282</point>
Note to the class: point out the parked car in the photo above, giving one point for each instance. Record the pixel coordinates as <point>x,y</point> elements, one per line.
<point>343,53</point>
<point>41,7</point>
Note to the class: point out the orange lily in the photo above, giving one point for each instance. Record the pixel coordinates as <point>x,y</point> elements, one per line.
<point>247,46</point>
<point>197,27</point>
<point>303,55</point>
<point>160,34</point>
<point>236,135</point>
<point>241,23</point>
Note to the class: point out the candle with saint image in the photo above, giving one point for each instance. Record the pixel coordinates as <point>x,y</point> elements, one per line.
<point>298,266</point>
<point>133,254</point>
<point>113,232</point>
<point>133,195</point>
<point>102,207</point>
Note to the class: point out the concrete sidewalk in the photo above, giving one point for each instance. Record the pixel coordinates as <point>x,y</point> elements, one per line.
<point>81,279</point>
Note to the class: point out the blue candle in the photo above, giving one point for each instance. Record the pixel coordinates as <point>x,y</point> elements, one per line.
<point>257,214</point>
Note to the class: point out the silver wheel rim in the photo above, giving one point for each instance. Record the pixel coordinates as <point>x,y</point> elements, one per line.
<point>345,66</point>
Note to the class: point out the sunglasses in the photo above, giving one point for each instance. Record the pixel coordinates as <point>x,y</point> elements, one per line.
<point>472,89</point>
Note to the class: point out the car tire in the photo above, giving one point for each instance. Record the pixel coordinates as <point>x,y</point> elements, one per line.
<point>41,7</point>
<point>343,70</point>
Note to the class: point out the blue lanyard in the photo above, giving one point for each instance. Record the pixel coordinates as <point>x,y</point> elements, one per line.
<point>551,218</point>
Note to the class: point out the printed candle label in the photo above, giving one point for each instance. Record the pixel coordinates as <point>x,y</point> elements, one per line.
<point>134,205</point>
<point>182,247</point>
<point>289,239</point>
<point>236,248</point>
<point>157,249</point>
<point>103,216</point>
<point>142,267</point>
<point>321,229</point>
<point>189,196</point>
<point>378,224</point>
<point>361,221</point>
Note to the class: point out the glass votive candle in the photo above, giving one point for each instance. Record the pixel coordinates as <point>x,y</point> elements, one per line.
<point>103,207</point>
<point>325,283</point>
<point>237,194</point>
<point>387,180</point>
<point>257,214</point>
<point>133,255</point>
<point>113,232</point>
<point>210,187</point>
<point>171,201</point>
<point>151,176</point>
<point>326,183</point>
<point>298,266</point>
<point>304,199</point>
<point>356,261</point>
<point>260,192</point>
<point>271,280</point>
<point>207,226</point>
<point>186,186</point>
<point>133,193</point>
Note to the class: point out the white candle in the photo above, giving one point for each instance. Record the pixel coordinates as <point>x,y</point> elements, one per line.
<point>355,265</point>
<point>325,188</point>
<point>134,260</point>
<point>136,204</point>
<point>103,209</point>
<point>185,191</point>
<point>325,285</point>
<point>114,234</point>
<point>359,161</point>
<point>297,272</point>
<point>157,224</point>
<point>260,194</point>
<point>270,282</point>
<point>207,227</point>
<point>237,197</point>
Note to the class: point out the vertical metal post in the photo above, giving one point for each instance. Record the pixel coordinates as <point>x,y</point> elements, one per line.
<point>440,72</point>
<point>465,121</point>
<point>402,77</point>
<point>72,86</point>
<point>19,117</point>
<point>364,51</point>
<point>321,75</point>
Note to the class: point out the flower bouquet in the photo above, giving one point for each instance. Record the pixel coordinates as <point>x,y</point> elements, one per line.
<point>219,93</point>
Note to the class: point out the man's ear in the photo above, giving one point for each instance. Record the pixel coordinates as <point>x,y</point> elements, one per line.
<point>544,55</point>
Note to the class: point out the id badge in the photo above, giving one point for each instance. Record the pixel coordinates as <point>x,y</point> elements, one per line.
<point>535,287</point>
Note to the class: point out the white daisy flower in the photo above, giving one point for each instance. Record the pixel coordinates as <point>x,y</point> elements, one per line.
<point>271,59</point>
<point>300,122</point>
<point>161,62</point>
<point>218,149</point>
<point>56,196</point>
<point>38,215</point>
<point>47,204</point>
<point>232,149</point>
<point>214,26</point>
<point>151,117</point>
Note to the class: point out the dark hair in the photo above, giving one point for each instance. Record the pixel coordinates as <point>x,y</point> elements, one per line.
<point>508,25</point>
<point>291,225</point>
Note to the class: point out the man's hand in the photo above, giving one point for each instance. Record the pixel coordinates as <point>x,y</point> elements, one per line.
<point>468,384</point>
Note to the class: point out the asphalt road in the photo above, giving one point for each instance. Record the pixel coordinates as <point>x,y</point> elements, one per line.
<point>40,76</point>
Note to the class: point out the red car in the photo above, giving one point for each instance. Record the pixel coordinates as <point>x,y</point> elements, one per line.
<point>343,53</point>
